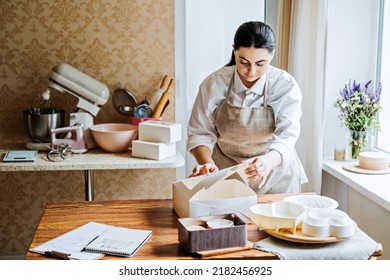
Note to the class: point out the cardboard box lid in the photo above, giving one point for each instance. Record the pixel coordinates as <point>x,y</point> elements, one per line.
<point>196,184</point>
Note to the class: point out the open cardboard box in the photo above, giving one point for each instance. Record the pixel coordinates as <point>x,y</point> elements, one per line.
<point>225,191</point>
<point>211,239</point>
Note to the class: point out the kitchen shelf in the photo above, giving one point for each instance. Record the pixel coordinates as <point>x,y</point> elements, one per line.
<point>91,160</point>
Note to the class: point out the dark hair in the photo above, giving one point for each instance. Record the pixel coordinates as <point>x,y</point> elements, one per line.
<point>253,34</point>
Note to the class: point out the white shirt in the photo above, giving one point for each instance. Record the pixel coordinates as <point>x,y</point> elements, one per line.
<point>284,96</point>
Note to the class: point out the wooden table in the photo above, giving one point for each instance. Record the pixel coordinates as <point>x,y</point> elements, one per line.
<point>155,215</point>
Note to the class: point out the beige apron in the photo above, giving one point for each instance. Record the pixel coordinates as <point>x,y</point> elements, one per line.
<point>245,132</point>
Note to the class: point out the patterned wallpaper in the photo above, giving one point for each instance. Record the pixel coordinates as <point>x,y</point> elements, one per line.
<point>126,42</point>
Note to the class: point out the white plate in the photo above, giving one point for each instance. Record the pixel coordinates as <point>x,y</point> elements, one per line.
<point>313,201</point>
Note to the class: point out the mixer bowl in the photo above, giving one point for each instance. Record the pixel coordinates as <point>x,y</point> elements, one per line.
<point>39,122</point>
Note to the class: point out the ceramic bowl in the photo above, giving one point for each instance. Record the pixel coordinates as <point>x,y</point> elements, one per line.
<point>315,228</point>
<point>328,222</point>
<point>219,223</point>
<point>195,228</point>
<point>278,215</point>
<point>114,137</point>
<point>311,202</point>
<point>374,160</point>
<point>316,223</point>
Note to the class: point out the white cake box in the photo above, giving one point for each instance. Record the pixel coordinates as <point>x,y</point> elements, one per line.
<point>153,150</point>
<point>159,131</point>
<point>225,191</point>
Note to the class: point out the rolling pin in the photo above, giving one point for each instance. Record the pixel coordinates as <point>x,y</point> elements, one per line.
<point>163,100</point>
<point>158,93</point>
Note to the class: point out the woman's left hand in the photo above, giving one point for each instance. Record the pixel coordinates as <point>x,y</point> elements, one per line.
<point>258,168</point>
<point>261,166</point>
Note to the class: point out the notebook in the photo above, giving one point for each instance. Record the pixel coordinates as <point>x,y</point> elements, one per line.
<point>72,243</point>
<point>119,241</point>
<point>100,238</point>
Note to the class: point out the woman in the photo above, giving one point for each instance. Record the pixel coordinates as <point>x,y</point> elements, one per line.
<point>249,111</point>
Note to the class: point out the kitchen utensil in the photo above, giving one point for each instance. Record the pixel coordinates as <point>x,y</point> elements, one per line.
<point>63,152</point>
<point>84,120</point>
<point>219,223</point>
<point>223,251</point>
<point>328,222</point>
<point>20,156</point>
<point>158,93</point>
<point>114,137</point>
<point>75,138</point>
<point>313,201</point>
<point>41,101</point>
<point>195,227</point>
<point>91,94</point>
<point>124,101</point>
<point>143,111</point>
<point>39,121</point>
<point>163,100</point>
<point>300,237</point>
<point>278,215</point>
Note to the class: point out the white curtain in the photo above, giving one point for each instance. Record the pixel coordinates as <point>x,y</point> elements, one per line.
<point>307,64</point>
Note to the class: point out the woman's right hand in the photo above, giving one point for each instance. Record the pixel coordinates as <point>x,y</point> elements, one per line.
<point>202,169</point>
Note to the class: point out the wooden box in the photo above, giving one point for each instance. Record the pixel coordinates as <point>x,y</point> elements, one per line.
<point>211,239</point>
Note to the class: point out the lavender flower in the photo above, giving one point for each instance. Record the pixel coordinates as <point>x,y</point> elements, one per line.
<point>358,106</point>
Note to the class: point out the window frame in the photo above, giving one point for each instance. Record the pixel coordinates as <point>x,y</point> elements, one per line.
<point>379,65</point>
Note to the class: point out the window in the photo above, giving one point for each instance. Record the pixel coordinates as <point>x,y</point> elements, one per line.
<point>383,139</point>
<point>205,43</point>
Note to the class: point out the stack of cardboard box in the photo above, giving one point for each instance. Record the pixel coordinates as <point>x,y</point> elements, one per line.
<point>156,140</point>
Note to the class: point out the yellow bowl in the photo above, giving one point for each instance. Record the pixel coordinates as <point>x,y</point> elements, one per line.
<point>114,137</point>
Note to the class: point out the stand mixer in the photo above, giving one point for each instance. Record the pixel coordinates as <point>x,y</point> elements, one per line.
<point>91,95</point>
<point>46,124</point>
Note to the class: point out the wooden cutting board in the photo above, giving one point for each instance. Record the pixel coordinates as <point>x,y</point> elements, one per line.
<point>210,253</point>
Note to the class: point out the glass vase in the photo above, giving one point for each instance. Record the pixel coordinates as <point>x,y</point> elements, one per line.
<point>358,142</point>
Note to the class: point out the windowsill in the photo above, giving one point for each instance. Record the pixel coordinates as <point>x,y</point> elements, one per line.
<point>374,187</point>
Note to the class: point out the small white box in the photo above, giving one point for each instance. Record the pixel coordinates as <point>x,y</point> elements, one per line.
<point>153,150</point>
<point>159,131</point>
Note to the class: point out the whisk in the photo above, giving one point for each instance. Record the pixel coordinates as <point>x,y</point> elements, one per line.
<point>41,101</point>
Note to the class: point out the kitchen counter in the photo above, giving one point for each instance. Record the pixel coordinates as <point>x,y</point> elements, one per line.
<point>91,160</point>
